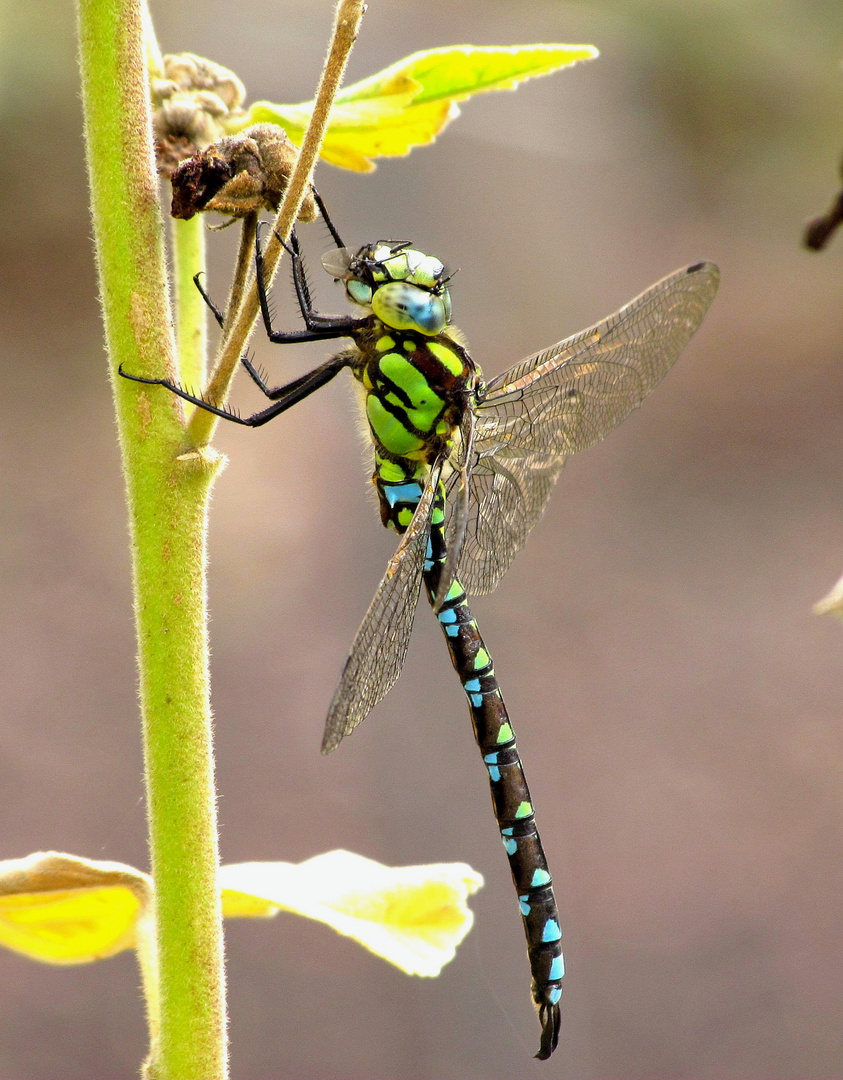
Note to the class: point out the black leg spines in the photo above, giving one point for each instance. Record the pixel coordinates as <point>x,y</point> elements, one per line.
<point>326,217</point>
<point>257,373</point>
<point>307,282</point>
<point>218,315</point>
<point>291,246</point>
<point>302,285</point>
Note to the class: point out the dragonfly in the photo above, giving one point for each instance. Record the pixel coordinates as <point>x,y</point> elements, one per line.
<point>463,469</point>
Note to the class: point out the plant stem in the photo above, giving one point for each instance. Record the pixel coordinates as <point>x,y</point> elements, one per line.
<point>243,266</point>
<point>167,490</point>
<point>346,25</point>
<point>188,246</point>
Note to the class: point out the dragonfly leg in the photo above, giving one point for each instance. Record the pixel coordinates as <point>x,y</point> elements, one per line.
<point>220,317</point>
<point>319,327</point>
<point>317,198</point>
<point>215,311</point>
<point>186,395</point>
<point>284,396</point>
<point>297,389</point>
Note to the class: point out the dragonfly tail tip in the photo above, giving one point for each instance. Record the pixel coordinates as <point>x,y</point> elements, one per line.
<point>550,1020</point>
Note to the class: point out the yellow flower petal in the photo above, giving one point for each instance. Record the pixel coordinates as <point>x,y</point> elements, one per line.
<point>65,910</point>
<point>412,916</point>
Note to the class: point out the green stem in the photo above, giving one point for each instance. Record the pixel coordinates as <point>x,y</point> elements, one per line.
<point>167,489</point>
<point>188,245</point>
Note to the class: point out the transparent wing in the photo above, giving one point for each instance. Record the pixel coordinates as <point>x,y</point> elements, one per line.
<point>562,400</point>
<point>380,644</point>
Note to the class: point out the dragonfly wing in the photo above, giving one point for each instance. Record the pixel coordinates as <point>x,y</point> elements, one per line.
<point>562,400</point>
<point>380,644</point>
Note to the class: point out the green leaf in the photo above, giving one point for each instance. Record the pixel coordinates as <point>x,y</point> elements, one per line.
<point>410,102</point>
<point>458,71</point>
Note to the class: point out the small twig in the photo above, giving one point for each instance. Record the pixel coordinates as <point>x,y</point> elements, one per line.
<point>819,231</point>
<point>346,25</point>
<point>242,269</point>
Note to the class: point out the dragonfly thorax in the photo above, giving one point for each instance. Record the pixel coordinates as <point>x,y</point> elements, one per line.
<point>404,288</point>
<point>415,389</point>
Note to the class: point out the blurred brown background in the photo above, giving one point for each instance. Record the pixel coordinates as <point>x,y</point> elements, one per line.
<point>678,705</point>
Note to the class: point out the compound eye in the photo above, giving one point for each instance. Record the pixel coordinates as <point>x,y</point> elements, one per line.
<point>406,307</point>
<point>424,269</point>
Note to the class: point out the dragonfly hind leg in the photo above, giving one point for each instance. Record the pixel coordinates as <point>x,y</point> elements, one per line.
<point>283,396</point>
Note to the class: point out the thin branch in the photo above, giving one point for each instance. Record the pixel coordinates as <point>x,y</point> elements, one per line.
<point>242,269</point>
<point>346,26</point>
<point>188,248</point>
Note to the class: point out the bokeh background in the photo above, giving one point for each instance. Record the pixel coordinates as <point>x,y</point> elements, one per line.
<point>678,705</point>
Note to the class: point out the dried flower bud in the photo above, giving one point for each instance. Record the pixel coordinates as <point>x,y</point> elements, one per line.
<point>190,102</point>
<point>819,231</point>
<point>238,175</point>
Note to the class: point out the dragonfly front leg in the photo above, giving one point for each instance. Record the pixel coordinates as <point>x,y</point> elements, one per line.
<point>319,327</point>
<point>323,210</point>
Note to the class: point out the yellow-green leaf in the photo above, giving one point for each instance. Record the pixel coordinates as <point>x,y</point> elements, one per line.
<point>412,916</point>
<point>65,910</point>
<point>359,131</point>
<point>410,102</point>
<point>458,71</point>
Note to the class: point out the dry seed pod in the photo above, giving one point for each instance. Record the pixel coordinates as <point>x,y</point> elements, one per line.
<point>190,102</point>
<point>238,175</point>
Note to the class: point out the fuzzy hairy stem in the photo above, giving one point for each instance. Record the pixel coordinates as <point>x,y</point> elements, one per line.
<point>167,489</point>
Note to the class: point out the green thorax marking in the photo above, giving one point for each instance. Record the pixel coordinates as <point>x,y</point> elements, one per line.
<point>416,389</point>
<point>417,378</point>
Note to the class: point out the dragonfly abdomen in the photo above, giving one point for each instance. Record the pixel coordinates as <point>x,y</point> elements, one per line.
<point>511,799</point>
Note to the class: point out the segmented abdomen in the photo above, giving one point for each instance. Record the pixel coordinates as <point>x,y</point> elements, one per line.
<point>511,800</point>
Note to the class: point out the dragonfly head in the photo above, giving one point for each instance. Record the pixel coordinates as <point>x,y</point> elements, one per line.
<point>406,289</point>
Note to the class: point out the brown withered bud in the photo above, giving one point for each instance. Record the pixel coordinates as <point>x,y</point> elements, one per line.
<point>238,175</point>
<point>819,231</point>
<point>190,102</point>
